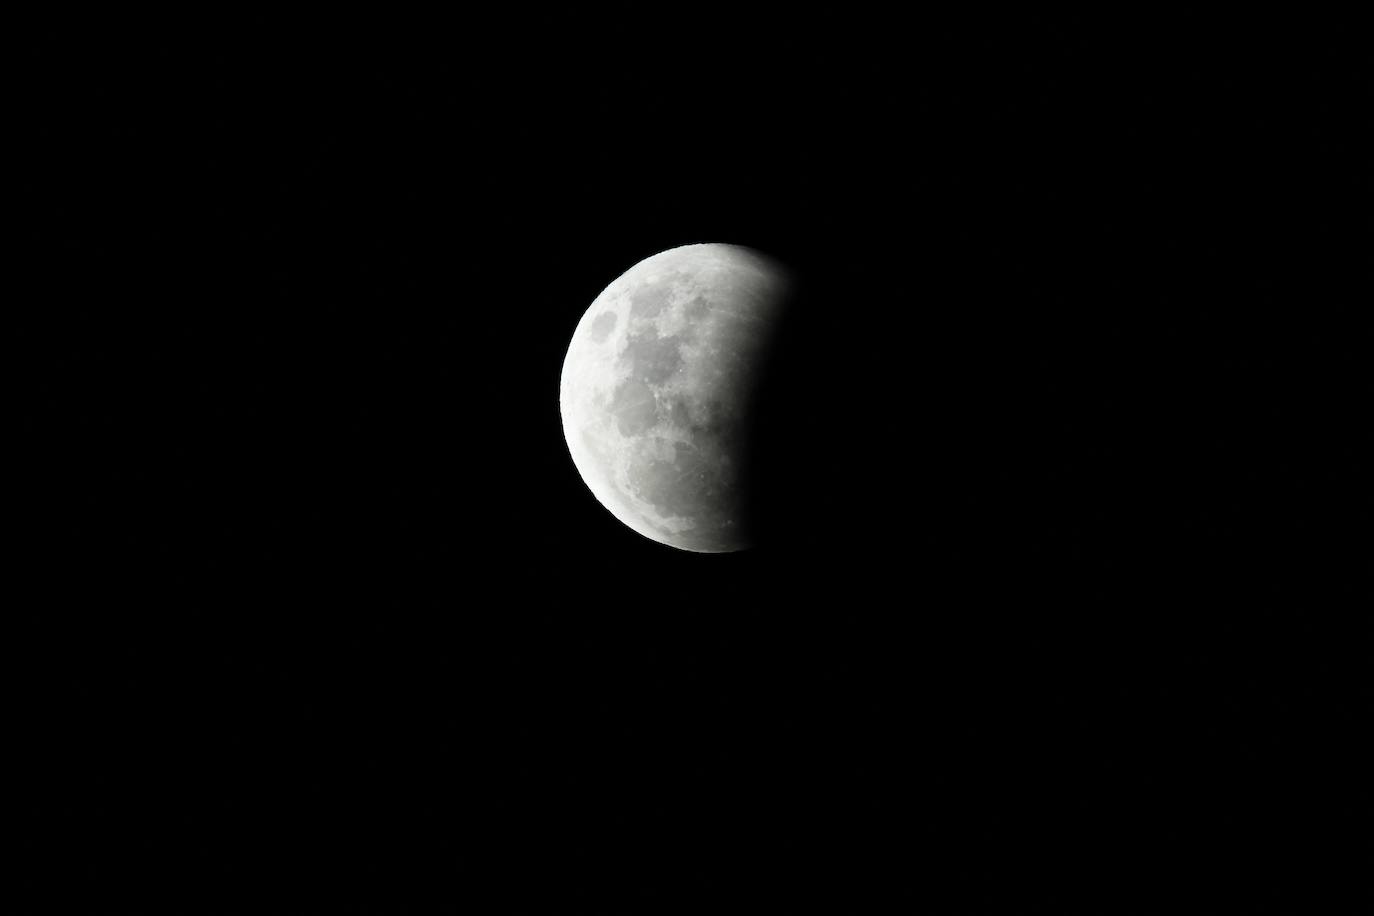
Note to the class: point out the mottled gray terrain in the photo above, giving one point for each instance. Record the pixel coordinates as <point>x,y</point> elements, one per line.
<point>656,389</point>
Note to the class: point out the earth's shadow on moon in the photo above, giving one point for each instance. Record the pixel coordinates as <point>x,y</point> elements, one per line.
<point>854,446</point>
<point>794,467</point>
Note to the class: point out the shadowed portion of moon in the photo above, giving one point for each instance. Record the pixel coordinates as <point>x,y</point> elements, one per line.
<point>657,392</point>
<point>808,448</point>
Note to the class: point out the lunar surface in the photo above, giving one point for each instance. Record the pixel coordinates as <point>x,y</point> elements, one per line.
<point>656,390</point>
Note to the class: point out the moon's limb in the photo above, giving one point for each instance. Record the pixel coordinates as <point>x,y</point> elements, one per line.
<point>655,391</point>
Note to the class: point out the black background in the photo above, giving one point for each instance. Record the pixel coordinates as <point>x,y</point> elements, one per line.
<point>1054,608</point>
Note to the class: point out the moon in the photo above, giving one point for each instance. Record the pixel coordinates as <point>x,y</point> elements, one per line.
<point>656,389</point>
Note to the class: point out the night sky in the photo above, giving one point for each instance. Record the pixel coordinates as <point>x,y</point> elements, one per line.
<point>1055,607</point>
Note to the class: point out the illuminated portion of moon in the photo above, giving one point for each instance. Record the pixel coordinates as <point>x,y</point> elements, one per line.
<point>656,388</point>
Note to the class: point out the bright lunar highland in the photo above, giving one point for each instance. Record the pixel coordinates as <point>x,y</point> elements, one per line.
<point>656,391</point>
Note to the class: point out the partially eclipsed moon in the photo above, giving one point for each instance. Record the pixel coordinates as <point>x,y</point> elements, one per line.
<point>656,389</point>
